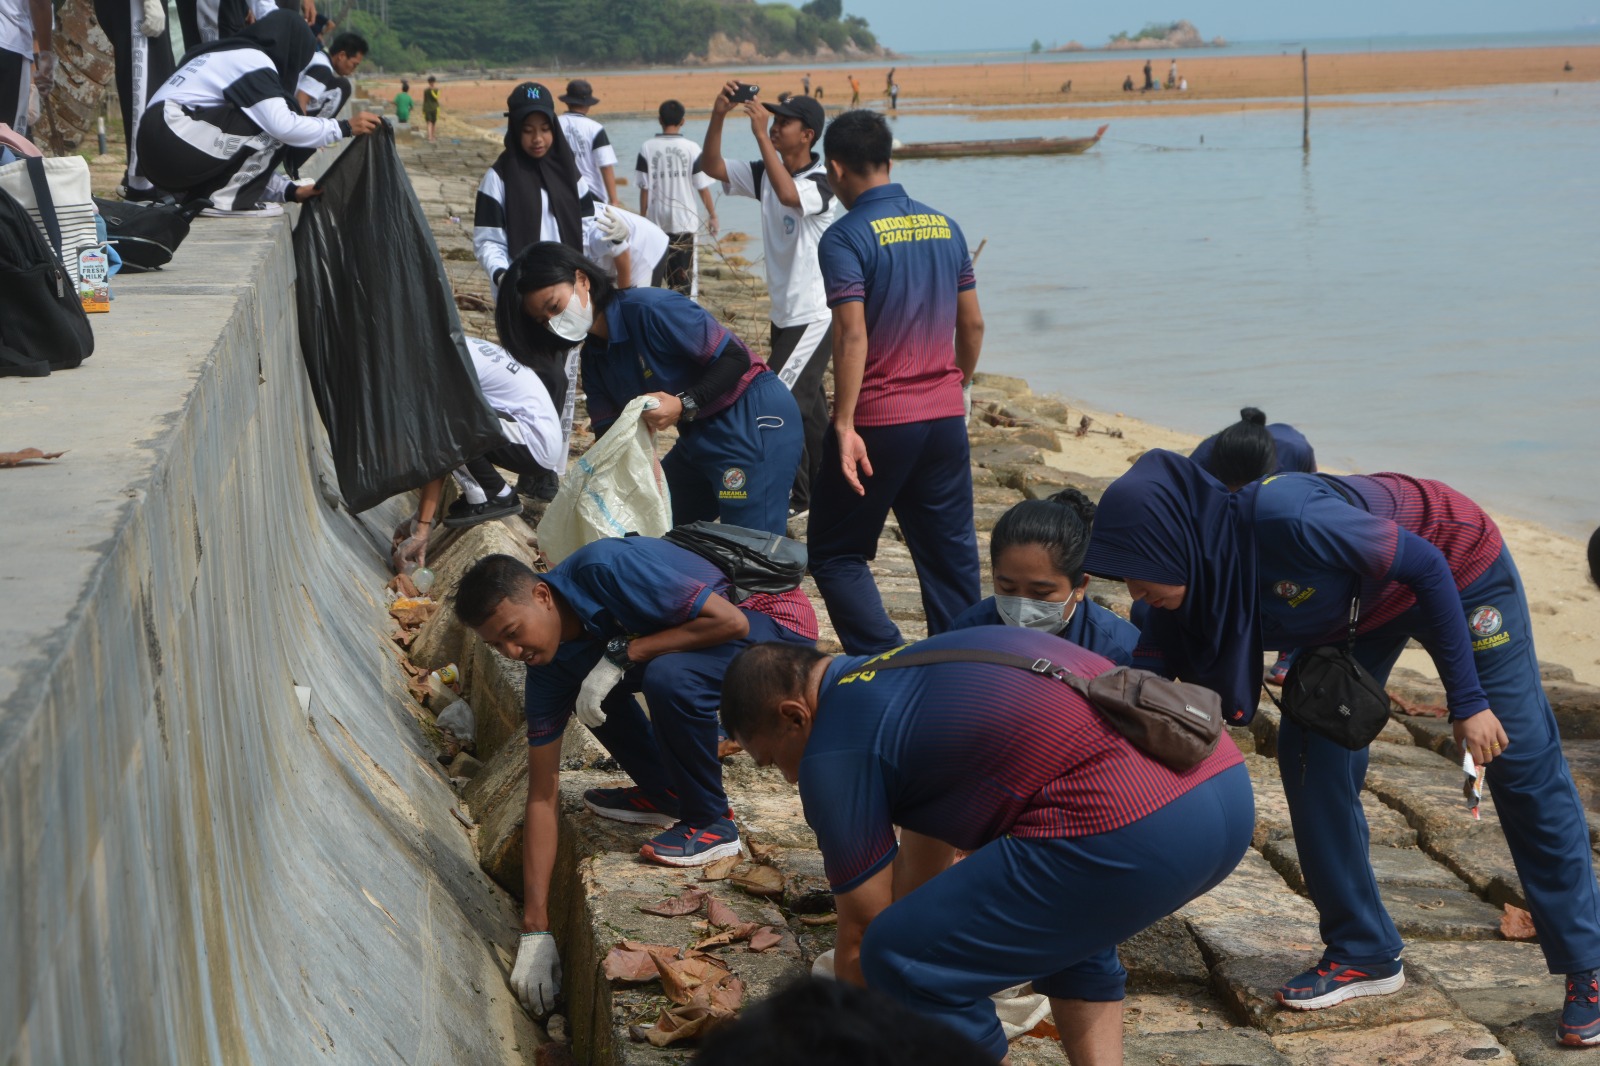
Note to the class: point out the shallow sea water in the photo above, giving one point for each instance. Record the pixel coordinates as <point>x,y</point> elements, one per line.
<point>1421,293</point>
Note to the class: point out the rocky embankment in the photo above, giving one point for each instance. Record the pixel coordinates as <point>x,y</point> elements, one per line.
<point>1201,980</point>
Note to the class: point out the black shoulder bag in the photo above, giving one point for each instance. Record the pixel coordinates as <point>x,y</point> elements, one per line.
<point>754,560</point>
<point>1174,722</point>
<point>1328,692</point>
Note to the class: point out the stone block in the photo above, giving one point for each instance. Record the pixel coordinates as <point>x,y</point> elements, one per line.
<point>1425,1042</point>
<point>1577,709</point>
<point>1204,1047</point>
<point>1179,1009</point>
<point>1250,986</point>
<point>1401,867</point>
<point>1253,913</point>
<point>1163,956</point>
<point>1477,852</point>
<point>1497,984</point>
<point>1533,1042</point>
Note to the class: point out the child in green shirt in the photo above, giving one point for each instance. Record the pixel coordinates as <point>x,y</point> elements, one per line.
<point>403,102</point>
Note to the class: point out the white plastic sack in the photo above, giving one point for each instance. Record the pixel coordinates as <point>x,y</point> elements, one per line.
<point>1019,1008</point>
<point>613,489</point>
<point>67,178</point>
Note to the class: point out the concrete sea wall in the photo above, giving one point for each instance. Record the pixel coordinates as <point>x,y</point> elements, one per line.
<point>222,835</point>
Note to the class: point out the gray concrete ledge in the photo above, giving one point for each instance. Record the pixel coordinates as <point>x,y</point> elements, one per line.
<point>222,836</point>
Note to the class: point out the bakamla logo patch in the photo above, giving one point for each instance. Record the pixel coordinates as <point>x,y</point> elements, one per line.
<point>1484,621</point>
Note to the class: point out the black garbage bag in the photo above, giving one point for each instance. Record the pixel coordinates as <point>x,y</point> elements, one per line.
<point>379,331</point>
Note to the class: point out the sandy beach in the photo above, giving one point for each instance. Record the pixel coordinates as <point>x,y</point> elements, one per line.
<point>1218,82</point>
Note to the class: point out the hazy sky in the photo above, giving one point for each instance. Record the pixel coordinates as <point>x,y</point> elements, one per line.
<point>938,25</point>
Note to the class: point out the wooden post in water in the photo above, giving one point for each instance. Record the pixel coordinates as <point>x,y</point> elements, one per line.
<point>1305,85</point>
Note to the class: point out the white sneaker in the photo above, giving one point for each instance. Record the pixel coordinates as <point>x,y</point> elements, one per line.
<point>259,211</point>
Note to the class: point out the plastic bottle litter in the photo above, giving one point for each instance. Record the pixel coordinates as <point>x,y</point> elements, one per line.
<point>439,682</point>
<point>422,578</point>
<point>458,720</point>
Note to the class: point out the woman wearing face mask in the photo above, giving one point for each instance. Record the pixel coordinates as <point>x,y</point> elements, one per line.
<point>1036,552</point>
<point>739,435</point>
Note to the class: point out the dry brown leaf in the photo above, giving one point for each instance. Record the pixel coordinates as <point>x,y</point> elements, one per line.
<point>759,880</point>
<point>680,978</point>
<point>1517,924</point>
<point>720,869</point>
<point>728,995</point>
<point>765,938</point>
<point>686,902</point>
<point>728,747</point>
<point>733,935</point>
<point>819,919</point>
<point>402,585</point>
<point>673,1028</point>
<point>1045,1030</point>
<point>629,961</point>
<point>412,612</point>
<point>27,456</point>
<point>720,914</point>
<point>760,852</point>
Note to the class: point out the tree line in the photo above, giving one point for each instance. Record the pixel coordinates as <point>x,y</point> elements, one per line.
<point>543,32</point>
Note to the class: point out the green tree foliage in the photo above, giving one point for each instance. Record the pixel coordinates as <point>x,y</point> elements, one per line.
<point>532,32</point>
<point>1037,46</point>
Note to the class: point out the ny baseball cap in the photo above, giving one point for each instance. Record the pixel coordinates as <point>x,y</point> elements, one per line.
<point>803,108</point>
<point>527,98</point>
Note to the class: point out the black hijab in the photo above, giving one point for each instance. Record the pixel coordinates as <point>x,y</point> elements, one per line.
<point>526,178</point>
<point>282,35</point>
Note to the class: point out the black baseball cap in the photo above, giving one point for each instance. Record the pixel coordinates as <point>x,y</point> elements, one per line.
<point>527,98</point>
<point>579,93</point>
<point>803,108</point>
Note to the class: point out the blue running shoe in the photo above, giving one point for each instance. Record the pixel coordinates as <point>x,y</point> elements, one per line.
<point>1580,1018</point>
<point>684,845</point>
<point>633,806</point>
<point>1334,982</point>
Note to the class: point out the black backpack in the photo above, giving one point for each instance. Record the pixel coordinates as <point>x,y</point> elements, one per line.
<point>42,323</point>
<point>754,560</point>
<point>147,235</point>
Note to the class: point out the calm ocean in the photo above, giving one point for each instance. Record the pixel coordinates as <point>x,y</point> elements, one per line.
<point>1421,294</point>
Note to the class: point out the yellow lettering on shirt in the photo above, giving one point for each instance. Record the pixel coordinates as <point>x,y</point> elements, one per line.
<point>897,229</point>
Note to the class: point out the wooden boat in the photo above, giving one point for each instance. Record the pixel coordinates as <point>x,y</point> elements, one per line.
<point>1014,146</point>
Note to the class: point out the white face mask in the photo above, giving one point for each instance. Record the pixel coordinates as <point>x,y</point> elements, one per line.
<point>1047,616</point>
<point>573,323</point>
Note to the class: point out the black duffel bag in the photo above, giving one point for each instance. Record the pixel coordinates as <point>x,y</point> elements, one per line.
<point>43,326</point>
<point>1334,696</point>
<point>754,560</point>
<point>147,235</point>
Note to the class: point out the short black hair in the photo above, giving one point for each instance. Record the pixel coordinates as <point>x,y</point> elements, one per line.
<point>405,86</point>
<point>492,580</point>
<point>817,1022</point>
<point>758,679</point>
<point>348,43</point>
<point>1059,524</point>
<point>1244,452</point>
<point>670,113</point>
<point>859,141</point>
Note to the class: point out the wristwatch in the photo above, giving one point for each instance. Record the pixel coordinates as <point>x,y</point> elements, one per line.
<point>617,653</point>
<point>691,409</point>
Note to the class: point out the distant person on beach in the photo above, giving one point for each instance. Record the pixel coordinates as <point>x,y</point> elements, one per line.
<point>235,92</point>
<point>907,333</point>
<point>1594,557</point>
<point>403,103</point>
<point>818,94</point>
<point>894,95</point>
<point>1149,81</point>
<point>1183,85</point>
<point>739,436</point>
<point>1172,75</point>
<point>1127,84</point>
<point>805,83</point>
<point>1036,552</point>
<point>888,80</point>
<point>855,91</point>
<point>621,616</point>
<point>430,106</point>
<point>903,759</point>
<point>1276,566</point>
<point>531,425</point>
<point>670,176</point>
<point>791,183</point>
<point>591,147</point>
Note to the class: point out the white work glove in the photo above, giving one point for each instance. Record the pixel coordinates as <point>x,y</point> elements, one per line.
<point>613,225</point>
<point>966,399</point>
<point>155,18</point>
<point>536,978</point>
<point>596,687</point>
<point>44,73</point>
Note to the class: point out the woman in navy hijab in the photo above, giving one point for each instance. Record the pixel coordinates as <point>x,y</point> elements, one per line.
<point>1275,566</point>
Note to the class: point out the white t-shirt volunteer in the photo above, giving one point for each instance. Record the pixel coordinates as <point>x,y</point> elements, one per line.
<point>646,244</point>
<point>16,30</point>
<point>789,237</point>
<point>489,241</point>
<point>516,393</point>
<point>591,150</point>
<point>668,168</point>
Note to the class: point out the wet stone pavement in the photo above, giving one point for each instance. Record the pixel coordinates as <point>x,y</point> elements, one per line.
<point>1201,981</point>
